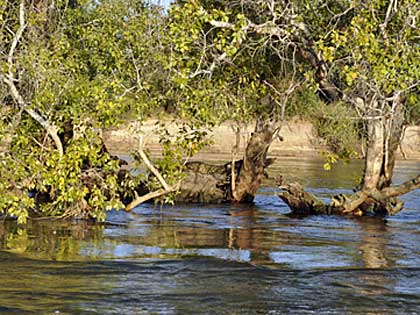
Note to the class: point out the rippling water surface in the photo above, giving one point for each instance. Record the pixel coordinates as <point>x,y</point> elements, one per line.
<point>221,259</point>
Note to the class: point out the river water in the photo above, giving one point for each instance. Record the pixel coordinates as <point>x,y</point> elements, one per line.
<point>221,259</point>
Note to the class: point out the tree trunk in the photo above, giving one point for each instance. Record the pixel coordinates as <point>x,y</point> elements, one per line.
<point>384,138</point>
<point>252,170</point>
<point>376,193</point>
<point>209,183</point>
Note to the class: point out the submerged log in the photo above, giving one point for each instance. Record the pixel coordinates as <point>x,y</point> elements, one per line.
<point>377,202</point>
<point>209,183</point>
<point>212,183</point>
<point>300,201</point>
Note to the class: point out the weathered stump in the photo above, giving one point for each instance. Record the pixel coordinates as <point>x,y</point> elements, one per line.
<point>206,183</point>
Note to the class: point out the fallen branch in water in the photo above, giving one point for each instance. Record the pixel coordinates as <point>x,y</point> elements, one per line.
<point>167,189</point>
<point>151,195</point>
<point>383,201</point>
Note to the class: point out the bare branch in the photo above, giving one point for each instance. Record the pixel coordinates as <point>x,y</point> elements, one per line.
<point>151,195</point>
<point>50,128</point>
<point>398,190</point>
<point>222,24</point>
<point>18,35</point>
<point>393,5</point>
<point>10,81</point>
<point>153,169</point>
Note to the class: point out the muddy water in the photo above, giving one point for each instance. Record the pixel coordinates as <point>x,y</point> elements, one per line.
<point>220,259</point>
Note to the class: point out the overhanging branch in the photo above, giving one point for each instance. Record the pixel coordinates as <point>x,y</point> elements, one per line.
<point>167,189</point>
<point>10,80</point>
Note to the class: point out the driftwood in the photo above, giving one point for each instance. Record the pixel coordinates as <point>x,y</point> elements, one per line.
<point>300,201</point>
<point>236,181</point>
<point>378,202</point>
<point>207,183</point>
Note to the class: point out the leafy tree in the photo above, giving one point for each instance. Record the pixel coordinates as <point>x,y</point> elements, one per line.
<point>364,54</point>
<point>68,69</point>
<point>236,79</point>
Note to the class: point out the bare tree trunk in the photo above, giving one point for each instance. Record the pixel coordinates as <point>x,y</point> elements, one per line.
<point>235,181</point>
<point>378,175</point>
<point>255,161</point>
<point>374,154</point>
<point>376,193</point>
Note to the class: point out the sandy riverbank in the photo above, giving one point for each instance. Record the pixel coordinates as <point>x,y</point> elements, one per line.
<point>299,140</point>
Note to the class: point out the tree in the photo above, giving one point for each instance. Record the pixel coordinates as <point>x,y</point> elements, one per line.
<point>226,77</point>
<point>67,70</point>
<point>370,60</point>
<point>362,53</point>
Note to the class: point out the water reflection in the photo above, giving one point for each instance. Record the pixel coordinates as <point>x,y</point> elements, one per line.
<point>238,233</point>
<point>374,241</point>
<point>215,259</point>
<point>50,240</point>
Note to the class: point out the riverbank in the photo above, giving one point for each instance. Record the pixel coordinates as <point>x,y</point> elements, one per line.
<point>297,139</point>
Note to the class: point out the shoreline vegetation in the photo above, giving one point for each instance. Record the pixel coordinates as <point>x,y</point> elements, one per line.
<point>229,76</point>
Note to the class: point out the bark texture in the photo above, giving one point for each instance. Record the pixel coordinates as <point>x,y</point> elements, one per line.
<point>376,193</point>
<point>206,183</point>
<point>252,170</point>
<point>209,183</point>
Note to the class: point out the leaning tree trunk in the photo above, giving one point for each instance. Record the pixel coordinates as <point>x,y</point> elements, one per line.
<point>252,170</point>
<point>376,193</point>
<point>236,181</point>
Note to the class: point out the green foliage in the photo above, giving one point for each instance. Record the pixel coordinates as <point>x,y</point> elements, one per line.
<point>376,51</point>
<point>367,50</point>
<point>337,124</point>
<point>218,77</point>
<point>180,141</point>
<point>82,68</point>
<point>91,65</point>
<point>80,184</point>
<point>413,108</point>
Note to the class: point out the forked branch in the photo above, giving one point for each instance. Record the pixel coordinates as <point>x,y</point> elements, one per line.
<point>167,189</point>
